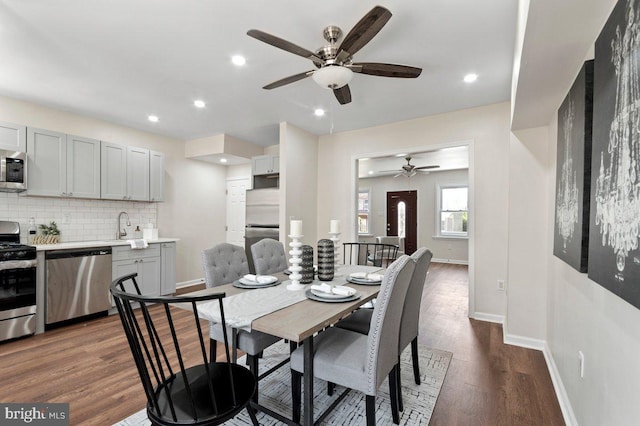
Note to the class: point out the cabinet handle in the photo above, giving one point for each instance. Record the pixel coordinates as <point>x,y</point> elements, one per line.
<point>124,197</point>
<point>70,194</point>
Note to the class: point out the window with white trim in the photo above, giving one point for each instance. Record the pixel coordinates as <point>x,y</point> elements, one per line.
<point>453,212</point>
<point>364,211</point>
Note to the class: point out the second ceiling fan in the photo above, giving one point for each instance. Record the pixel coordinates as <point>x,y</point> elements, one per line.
<point>335,62</point>
<point>409,170</point>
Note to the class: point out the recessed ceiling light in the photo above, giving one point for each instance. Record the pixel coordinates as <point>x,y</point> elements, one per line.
<point>470,78</point>
<point>223,160</point>
<point>370,172</point>
<point>153,118</point>
<point>198,103</point>
<point>401,155</point>
<point>319,112</point>
<point>238,60</point>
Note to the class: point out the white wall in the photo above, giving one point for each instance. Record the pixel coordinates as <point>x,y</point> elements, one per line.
<point>444,249</point>
<point>528,221</point>
<point>584,316</point>
<point>488,130</point>
<point>298,181</point>
<point>194,190</point>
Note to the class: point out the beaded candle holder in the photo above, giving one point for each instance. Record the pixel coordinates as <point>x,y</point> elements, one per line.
<point>295,261</point>
<point>335,237</point>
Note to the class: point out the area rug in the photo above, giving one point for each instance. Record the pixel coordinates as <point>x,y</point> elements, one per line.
<point>275,393</point>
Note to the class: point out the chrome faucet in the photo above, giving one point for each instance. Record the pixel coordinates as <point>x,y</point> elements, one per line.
<point>123,233</point>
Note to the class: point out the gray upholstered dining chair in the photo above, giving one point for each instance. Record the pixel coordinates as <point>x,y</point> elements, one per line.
<point>223,264</point>
<point>360,320</point>
<point>357,361</point>
<point>268,256</point>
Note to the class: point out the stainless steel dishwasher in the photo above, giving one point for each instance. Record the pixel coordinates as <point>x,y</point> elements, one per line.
<point>77,283</point>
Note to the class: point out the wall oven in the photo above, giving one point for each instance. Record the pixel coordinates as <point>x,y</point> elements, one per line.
<point>17,284</point>
<point>13,171</point>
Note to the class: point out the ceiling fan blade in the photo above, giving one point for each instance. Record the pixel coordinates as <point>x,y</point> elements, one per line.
<point>385,70</point>
<point>343,94</point>
<point>288,80</point>
<point>363,32</point>
<point>427,167</point>
<point>284,45</point>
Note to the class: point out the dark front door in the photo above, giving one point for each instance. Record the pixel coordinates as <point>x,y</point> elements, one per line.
<point>402,210</point>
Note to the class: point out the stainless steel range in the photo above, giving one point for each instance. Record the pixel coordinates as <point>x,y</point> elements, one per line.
<point>17,283</point>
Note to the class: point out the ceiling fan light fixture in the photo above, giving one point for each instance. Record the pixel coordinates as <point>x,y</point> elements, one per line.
<point>332,76</point>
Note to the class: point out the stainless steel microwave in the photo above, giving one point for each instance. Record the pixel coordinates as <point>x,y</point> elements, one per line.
<point>13,171</point>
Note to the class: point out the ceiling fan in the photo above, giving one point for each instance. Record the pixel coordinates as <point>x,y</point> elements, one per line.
<point>335,62</point>
<point>409,169</point>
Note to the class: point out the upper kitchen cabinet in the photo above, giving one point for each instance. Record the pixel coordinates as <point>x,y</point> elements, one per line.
<point>156,176</point>
<point>61,165</point>
<point>13,137</point>
<point>265,165</point>
<point>137,174</point>
<point>125,172</point>
<point>83,167</point>
<point>113,170</point>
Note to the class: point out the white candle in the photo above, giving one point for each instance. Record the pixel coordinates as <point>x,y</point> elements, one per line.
<point>335,227</point>
<point>296,228</point>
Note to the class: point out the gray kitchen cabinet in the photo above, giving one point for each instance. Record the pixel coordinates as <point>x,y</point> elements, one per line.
<point>83,167</point>
<point>46,162</point>
<point>265,164</point>
<point>137,174</point>
<point>61,165</point>
<point>13,137</point>
<point>145,262</point>
<point>168,268</point>
<point>156,176</point>
<point>113,171</point>
<point>125,172</point>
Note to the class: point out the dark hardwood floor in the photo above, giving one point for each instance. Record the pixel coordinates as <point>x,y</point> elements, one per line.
<point>488,383</point>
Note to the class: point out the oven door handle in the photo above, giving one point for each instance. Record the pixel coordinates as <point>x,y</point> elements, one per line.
<point>18,264</point>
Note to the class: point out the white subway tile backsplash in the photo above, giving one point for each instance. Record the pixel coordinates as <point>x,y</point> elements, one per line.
<point>87,219</point>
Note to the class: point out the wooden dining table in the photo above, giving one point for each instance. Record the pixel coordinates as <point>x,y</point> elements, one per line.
<point>300,321</point>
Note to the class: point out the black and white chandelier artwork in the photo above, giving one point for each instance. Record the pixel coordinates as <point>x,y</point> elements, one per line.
<point>617,192</point>
<point>615,183</point>
<point>573,171</point>
<point>567,194</point>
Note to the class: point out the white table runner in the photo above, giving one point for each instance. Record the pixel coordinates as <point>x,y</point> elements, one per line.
<point>241,309</point>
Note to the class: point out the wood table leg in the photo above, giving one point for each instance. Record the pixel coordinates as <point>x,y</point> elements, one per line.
<point>308,381</point>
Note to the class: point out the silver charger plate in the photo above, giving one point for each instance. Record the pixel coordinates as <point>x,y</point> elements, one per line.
<point>362,281</point>
<point>328,295</point>
<point>312,296</point>
<point>238,284</point>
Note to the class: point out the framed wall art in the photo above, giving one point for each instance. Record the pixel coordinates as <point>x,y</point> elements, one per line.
<point>573,172</point>
<point>614,257</point>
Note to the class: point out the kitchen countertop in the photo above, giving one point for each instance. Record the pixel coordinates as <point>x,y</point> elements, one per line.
<point>89,244</point>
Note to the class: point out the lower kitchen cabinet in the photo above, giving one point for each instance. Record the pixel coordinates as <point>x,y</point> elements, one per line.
<point>168,268</point>
<point>145,262</point>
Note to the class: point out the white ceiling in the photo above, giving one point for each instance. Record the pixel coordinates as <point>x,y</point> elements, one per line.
<point>121,60</point>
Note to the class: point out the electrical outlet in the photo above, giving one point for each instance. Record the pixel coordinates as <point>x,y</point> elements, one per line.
<point>501,285</point>
<point>66,219</point>
<point>581,359</point>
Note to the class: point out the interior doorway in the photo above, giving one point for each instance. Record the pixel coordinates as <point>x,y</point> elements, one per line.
<point>236,195</point>
<point>402,218</point>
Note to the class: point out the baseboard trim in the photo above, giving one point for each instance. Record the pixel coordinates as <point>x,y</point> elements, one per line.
<point>190,283</point>
<point>452,261</point>
<point>524,342</point>
<point>482,316</point>
<point>558,385</point>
